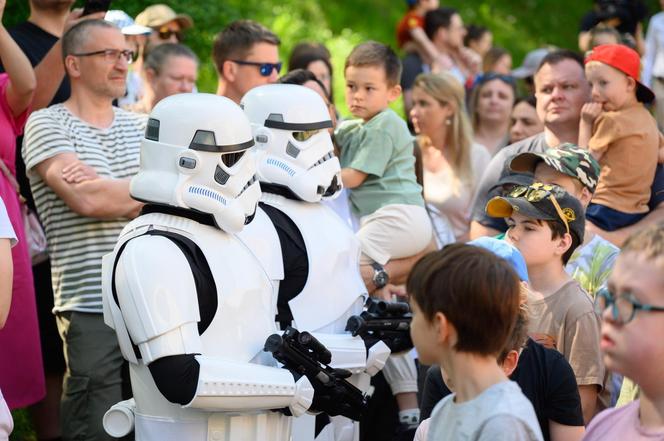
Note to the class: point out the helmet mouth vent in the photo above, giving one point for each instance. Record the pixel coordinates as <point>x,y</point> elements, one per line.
<point>325,158</point>
<point>253,179</point>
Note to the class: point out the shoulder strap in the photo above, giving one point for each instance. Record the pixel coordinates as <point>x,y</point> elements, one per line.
<point>9,175</point>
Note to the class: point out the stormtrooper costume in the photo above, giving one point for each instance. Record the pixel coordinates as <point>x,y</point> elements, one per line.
<point>315,261</point>
<point>191,305</point>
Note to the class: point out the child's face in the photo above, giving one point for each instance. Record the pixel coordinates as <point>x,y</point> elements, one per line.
<point>636,349</point>
<point>532,239</point>
<point>424,335</point>
<point>549,175</point>
<point>367,91</point>
<point>429,5</point>
<point>610,87</point>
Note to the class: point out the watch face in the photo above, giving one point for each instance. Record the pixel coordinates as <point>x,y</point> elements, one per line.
<point>380,279</point>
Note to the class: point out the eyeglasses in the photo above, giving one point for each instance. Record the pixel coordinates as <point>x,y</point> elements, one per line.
<point>538,192</point>
<point>166,33</point>
<point>623,307</point>
<point>265,69</point>
<point>111,55</point>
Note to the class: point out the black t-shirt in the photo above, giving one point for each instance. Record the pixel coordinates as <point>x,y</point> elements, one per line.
<point>628,13</point>
<point>543,375</point>
<point>412,67</point>
<point>35,43</point>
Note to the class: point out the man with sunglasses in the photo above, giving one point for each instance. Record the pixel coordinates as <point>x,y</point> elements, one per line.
<point>631,340</point>
<point>85,136</point>
<point>546,224</point>
<point>167,26</point>
<point>246,55</point>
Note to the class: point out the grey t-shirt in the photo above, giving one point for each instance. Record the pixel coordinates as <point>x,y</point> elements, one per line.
<point>500,413</point>
<point>494,170</point>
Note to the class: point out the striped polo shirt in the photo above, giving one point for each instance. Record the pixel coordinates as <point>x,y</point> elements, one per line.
<point>76,243</point>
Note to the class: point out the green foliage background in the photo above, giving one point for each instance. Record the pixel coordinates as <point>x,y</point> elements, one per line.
<point>518,25</point>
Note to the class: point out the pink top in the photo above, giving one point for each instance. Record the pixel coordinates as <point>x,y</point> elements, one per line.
<point>621,424</point>
<point>21,371</point>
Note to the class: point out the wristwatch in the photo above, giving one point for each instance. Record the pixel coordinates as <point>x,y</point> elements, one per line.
<point>380,276</point>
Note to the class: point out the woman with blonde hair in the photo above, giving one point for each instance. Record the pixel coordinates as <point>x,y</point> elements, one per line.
<point>453,163</point>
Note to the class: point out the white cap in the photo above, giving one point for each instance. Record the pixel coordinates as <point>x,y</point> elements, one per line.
<point>126,24</point>
<point>530,63</point>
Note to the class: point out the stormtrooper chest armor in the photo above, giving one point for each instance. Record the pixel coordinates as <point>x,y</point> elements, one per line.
<point>245,302</point>
<point>334,283</point>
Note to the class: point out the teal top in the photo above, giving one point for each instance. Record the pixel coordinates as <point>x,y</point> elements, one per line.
<point>383,149</point>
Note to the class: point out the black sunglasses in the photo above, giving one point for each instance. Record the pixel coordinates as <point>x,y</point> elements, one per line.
<point>489,76</point>
<point>166,33</point>
<point>265,69</point>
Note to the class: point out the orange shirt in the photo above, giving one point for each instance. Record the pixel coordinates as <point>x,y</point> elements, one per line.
<point>629,142</point>
<point>409,22</point>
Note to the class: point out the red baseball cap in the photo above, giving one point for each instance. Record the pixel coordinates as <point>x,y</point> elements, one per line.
<point>627,61</point>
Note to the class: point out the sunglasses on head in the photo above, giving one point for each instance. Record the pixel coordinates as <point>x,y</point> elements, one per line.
<point>489,76</point>
<point>538,192</point>
<point>165,34</point>
<point>265,69</point>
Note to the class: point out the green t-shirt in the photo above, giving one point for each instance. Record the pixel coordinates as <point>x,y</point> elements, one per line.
<point>383,149</point>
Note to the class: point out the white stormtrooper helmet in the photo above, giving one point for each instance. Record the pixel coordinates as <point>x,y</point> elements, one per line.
<point>294,149</point>
<point>193,156</point>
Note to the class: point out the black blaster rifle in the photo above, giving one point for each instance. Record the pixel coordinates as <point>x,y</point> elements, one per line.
<point>383,321</point>
<point>302,353</point>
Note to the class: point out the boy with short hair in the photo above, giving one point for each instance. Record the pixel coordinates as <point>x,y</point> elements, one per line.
<point>632,342</point>
<point>621,134</point>
<point>547,224</point>
<point>378,166</point>
<point>575,170</point>
<point>465,302</point>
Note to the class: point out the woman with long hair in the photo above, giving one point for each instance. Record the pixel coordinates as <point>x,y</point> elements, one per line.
<point>453,162</point>
<point>491,102</point>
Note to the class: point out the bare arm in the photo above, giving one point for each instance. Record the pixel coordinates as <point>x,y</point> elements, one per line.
<point>560,432</point>
<point>6,277</point>
<point>51,70</point>
<point>589,113</point>
<point>588,395</point>
<point>22,81</point>
<point>352,178</point>
<point>479,230</point>
<point>101,198</point>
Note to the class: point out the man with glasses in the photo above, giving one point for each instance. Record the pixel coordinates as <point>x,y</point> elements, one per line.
<point>85,137</point>
<point>246,55</point>
<point>631,340</point>
<point>167,26</point>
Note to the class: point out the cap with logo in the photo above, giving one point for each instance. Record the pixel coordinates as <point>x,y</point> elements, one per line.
<point>542,202</point>
<point>567,158</point>
<point>624,59</point>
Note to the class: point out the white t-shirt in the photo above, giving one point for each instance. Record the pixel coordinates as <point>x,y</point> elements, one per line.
<point>452,198</point>
<point>6,230</point>
<point>6,422</point>
<point>500,413</point>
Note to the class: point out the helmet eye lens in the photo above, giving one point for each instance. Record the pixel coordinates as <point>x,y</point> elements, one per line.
<point>303,136</point>
<point>230,159</point>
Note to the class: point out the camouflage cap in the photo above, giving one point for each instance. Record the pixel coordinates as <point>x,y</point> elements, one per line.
<point>567,158</point>
<point>543,202</point>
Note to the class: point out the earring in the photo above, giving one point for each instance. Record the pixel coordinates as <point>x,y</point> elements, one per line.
<point>448,122</point>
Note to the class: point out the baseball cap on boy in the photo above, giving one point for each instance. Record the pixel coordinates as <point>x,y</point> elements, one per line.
<point>542,202</point>
<point>627,61</point>
<point>567,158</point>
<point>508,252</point>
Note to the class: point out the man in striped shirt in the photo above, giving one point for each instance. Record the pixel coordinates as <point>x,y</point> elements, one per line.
<point>85,137</point>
